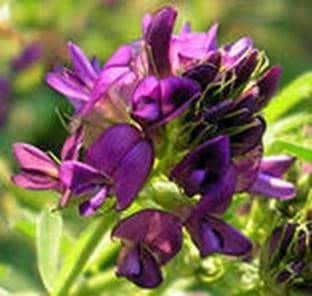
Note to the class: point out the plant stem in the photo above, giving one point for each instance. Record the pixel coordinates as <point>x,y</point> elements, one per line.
<point>76,261</point>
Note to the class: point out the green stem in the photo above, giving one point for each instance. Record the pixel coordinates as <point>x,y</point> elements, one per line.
<point>76,261</point>
<point>98,283</point>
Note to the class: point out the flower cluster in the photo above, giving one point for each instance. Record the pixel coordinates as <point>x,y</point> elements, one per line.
<point>286,258</point>
<point>175,106</point>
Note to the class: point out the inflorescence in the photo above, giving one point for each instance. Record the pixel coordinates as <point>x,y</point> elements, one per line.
<point>172,106</point>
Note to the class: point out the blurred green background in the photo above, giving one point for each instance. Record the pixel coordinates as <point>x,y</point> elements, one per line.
<point>34,112</point>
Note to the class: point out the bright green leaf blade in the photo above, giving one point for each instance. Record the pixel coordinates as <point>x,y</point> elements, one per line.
<point>285,126</point>
<point>296,92</point>
<point>301,152</point>
<point>48,237</point>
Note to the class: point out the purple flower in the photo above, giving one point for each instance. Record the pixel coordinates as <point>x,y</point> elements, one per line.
<point>189,49</point>
<point>234,52</point>
<point>31,54</point>
<point>156,102</point>
<point>157,37</point>
<point>150,239</point>
<point>39,171</point>
<point>212,235</point>
<point>247,167</point>
<point>116,81</point>
<point>269,183</point>
<point>207,170</point>
<point>78,83</point>
<point>117,163</point>
<point>280,240</point>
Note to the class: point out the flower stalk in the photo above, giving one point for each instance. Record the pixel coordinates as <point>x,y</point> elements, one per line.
<point>76,261</point>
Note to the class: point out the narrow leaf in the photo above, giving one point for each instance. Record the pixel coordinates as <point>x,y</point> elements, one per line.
<point>296,92</point>
<point>301,152</point>
<point>48,238</point>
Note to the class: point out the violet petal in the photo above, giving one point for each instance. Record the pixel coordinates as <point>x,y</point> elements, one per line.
<point>132,173</point>
<point>247,167</point>
<point>269,186</point>
<point>80,177</point>
<point>268,84</point>
<point>157,37</point>
<point>33,159</point>
<point>276,166</point>
<point>161,232</point>
<point>111,147</point>
<point>72,145</point>
<point>90,206</point>
<point>177,93</point>
<point>35,181</point>
<point>150,275</point>
<point>82,65</point>
<point>211,156</point>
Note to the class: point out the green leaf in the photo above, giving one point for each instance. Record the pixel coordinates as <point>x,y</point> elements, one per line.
<point>285,126</point>
<point>293,94</point>
<point>301,152</point>
<point>48,237</point>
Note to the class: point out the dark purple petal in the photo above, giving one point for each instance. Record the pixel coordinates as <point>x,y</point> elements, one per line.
<point>205,72</point>
<point>297,266</point>
<point>211,157</point>
<point>31,159</point>
<point>212,235</point>
<point>161,232</point>
<point>157,38</point>
<point>249,138</point>
<point>31,54</point>
<point>232,241</point>
<point>177,93</point>
<point>245,68</point>
<point>242,108</point>
<point>301,247</point>
<point>80,177</point>
<point>218,195</point>
<point>268,84</point>
<point>72,145</point>
<point>132,173</point>
<point>270,186</point>
<point>283,276</point>
<point>35,181</point>
<point>247,167</point>
<point>107,152</point>
<point>146,100</point>
<point>216,112</point>
<point>276,166</point>
<point>281,238</point>
<point>136,259</point>
<point>83,67</point>
<point>129,261</point>
<point>89,207</point>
